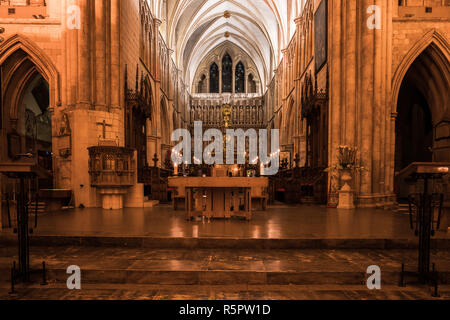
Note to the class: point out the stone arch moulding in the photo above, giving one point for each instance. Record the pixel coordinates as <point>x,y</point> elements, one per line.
<point>290,120</point>
<point>40,59</point>
<point>17,95</point>
<point>431,37</point>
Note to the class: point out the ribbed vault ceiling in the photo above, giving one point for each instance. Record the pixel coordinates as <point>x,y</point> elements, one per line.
<point>192,28</point>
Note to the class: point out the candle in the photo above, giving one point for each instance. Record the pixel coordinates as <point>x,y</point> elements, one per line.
<point>261,172</point>
<point>175,169</point>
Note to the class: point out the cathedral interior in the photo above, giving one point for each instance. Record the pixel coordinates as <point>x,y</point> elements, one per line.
<point>351,97</point>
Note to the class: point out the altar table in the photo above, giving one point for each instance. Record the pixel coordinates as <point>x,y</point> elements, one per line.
<point>219,197</point>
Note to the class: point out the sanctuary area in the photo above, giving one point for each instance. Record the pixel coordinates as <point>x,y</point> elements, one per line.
<point>224,149</point>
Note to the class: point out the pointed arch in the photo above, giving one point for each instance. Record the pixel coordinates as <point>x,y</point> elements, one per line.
<point>291,124</point>
<point>41,61</point>
<point>441,49</point>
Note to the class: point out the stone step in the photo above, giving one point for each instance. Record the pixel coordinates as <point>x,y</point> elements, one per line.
<point>221,243</point>
<point>151,203</point>
<point>221,277</point>
<point>223,292</point>
<point>218,276</point>
<point>224,267</point>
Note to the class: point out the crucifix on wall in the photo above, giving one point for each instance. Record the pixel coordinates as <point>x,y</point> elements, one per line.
<point>104,125</point>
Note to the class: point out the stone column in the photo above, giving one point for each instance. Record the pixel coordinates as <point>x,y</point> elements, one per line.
<point>377,107</point>
<point>156,71</point>
<point>71,63</point>
<point>115,53</point>
<point>390,124</point>
<point>84,97</point>
<point>298,93</point>
<point>366,109</point>
<point>349,76</point>
<point>100,54</point>
<point>335,75</point>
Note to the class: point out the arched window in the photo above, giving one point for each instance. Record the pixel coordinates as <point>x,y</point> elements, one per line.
<point>227,74</point>
<point>251,84</point>
<point>240,78</point>
<point>214,78</point>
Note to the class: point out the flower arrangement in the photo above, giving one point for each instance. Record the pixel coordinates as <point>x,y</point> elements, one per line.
<point>347,159</point>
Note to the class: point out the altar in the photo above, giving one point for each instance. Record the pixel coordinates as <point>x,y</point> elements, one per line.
<point>219,197</point>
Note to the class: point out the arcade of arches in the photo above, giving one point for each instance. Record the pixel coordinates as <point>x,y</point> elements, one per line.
<point>136,70</point>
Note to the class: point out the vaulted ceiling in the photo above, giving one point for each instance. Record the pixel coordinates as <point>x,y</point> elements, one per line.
<point>192,28</point>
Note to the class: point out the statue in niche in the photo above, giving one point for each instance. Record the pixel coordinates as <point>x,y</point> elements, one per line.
<point>64,133</point>
<point>30,124</point>
<point>64,126</point>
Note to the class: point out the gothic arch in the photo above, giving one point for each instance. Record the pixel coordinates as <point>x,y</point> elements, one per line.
<point>290,123</point>
<point>40,61</point>
<point>441,51</point>
<point>421,96</point>
<point>280,126</point>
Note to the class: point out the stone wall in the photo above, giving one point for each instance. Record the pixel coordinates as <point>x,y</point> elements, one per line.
<point>364,67</point>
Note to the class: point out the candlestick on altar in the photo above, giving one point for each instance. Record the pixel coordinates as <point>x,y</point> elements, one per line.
<point>175,169</point>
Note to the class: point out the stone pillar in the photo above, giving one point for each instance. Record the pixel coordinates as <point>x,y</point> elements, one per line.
<point>100,54</point>
<point>115,53</point>
<point>335,74</point>
<point>84,98</point>
<point>81,185</point>
<point>71,63</point>
<point>350,73</point>
<point>390,124</point>
<point>377,107</point>
<point>366,106</point>
<point>158,83</point>
<point>114,88</point>
<point>156,71</point>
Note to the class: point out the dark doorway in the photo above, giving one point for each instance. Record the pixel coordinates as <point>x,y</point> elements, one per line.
<point>422,103</point>
<point>414,128</point>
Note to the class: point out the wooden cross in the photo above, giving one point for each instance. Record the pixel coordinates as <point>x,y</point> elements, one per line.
<point>104,125</point>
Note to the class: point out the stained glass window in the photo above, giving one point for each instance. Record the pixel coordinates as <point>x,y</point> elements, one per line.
<point>240,78</point>
<point>214,78</point>
<point>227,74</point>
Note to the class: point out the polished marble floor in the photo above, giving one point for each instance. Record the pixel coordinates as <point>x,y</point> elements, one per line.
<point>278,222</point>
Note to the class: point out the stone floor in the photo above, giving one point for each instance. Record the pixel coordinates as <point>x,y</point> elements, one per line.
<point>278,222</point>
<point>180,274</point>
<point>285,253</point>
<point>234,292</point>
